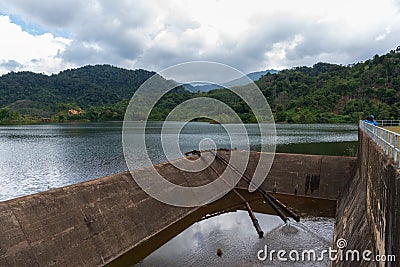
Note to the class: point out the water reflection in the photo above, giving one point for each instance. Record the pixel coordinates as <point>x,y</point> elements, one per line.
<point>235,235</point>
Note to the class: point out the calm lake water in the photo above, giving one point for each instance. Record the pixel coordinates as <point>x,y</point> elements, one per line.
<point>35,158</point>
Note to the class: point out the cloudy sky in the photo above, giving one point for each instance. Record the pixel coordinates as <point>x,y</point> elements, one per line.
<point>52,35</point>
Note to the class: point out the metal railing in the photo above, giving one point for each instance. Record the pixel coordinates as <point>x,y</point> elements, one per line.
<point>387,140</point>
<point>383,123</point>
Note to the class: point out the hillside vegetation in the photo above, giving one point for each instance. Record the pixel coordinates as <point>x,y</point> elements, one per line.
<point>321,93</point>
<point>328,92</point>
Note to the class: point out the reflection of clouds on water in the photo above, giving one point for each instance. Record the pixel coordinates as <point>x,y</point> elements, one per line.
<point>236,236</point>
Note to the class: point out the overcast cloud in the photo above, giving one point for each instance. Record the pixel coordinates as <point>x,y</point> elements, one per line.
<point>151,34</point>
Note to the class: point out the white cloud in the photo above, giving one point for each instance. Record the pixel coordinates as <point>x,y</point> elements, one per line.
<point>28,52</point>
<point>152,34</point>
<point>382,36</point>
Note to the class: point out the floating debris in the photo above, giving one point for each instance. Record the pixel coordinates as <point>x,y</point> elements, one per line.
<point>219,252</point>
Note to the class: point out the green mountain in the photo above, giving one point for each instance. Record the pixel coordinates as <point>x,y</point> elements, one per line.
<point>330,93</point>
<point>321,93</point>
<point>99,85</point>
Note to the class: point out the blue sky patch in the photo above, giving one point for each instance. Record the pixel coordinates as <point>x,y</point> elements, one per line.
<point>33,29</point>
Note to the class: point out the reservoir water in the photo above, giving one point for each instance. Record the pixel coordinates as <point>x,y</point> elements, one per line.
<point>35,158</point>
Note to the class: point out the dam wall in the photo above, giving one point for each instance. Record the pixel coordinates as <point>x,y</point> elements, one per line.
<point>95,222</point>
<point>312,175</point>
<point>368,212</point>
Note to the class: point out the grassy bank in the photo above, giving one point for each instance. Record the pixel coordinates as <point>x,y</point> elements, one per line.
<point>395,129</point>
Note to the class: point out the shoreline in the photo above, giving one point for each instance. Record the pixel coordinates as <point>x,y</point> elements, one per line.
<point>116,121</point>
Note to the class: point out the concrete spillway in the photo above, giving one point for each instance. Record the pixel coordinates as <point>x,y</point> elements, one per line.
<point>95,222</point>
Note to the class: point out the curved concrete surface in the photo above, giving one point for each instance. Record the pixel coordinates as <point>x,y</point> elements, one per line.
<point>93,223</point>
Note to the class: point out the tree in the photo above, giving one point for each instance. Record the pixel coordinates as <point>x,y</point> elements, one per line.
<point>7,115</point>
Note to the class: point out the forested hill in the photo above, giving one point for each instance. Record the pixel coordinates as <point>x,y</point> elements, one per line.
<point>330,93</point>
<point>87,86</point>
<point>322,93</point>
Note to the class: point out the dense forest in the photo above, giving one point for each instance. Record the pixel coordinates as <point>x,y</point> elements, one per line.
<point>335,93</point>
<point>321,93</point>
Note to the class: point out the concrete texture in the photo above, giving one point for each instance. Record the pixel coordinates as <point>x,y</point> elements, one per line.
<point>86,224</point>
<point>93,223</point>
<point>289,171</point>
<point>368,211</point>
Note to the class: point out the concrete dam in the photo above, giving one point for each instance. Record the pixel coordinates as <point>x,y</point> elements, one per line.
<point>99,222</point>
